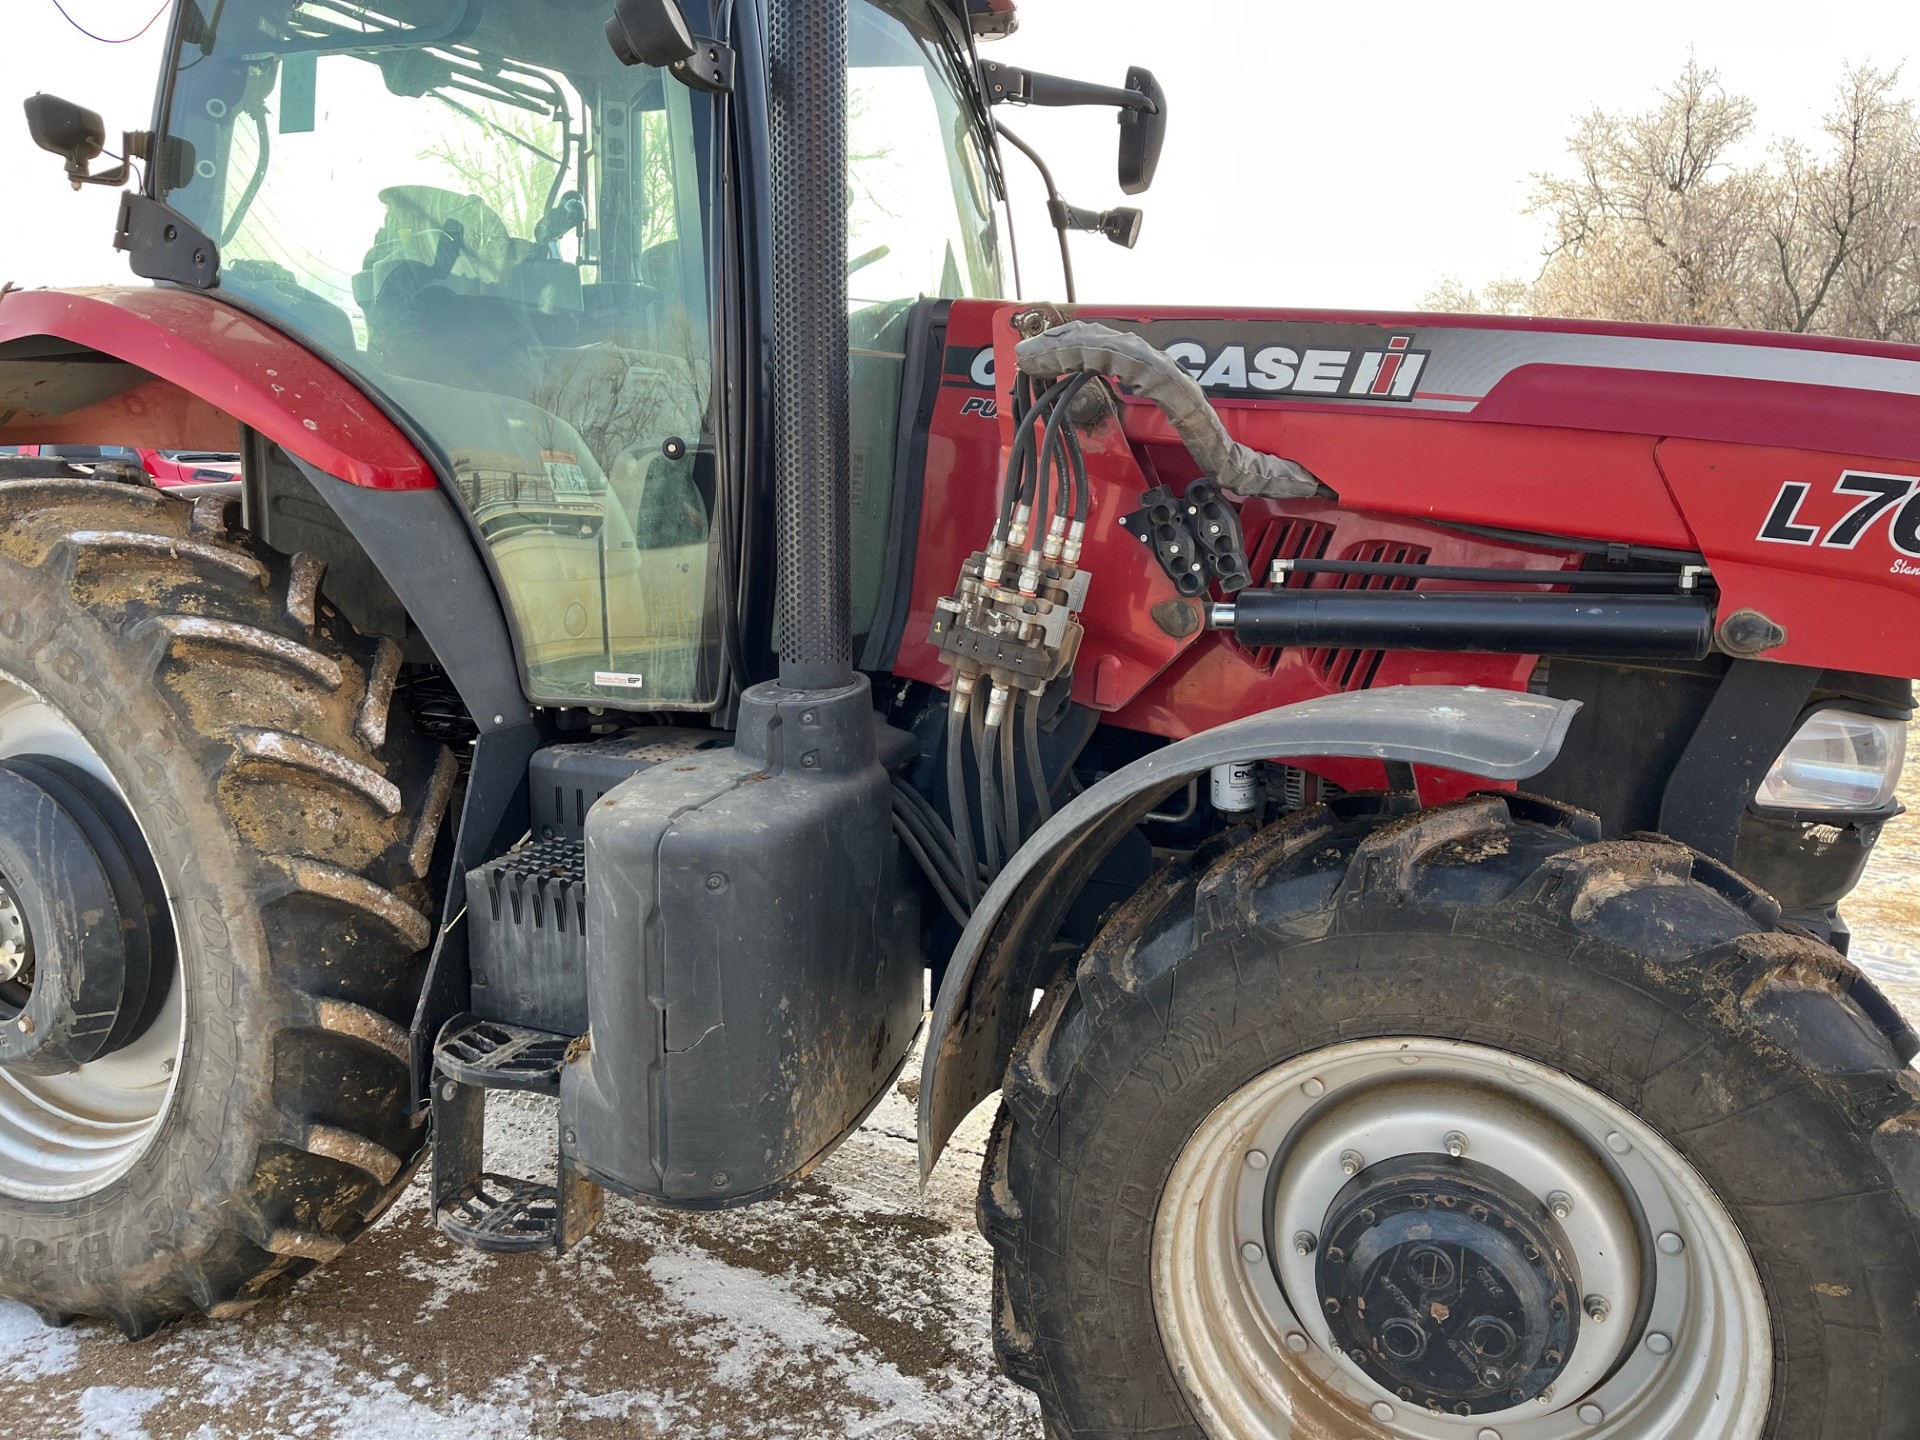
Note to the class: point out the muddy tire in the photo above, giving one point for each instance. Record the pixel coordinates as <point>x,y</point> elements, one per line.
<point>1630,979</point>
<point>293,817</point>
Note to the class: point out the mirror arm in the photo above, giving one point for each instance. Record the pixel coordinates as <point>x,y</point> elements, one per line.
<point>1055,205</point>
<point>709,69</point>
<point>1010,85</point>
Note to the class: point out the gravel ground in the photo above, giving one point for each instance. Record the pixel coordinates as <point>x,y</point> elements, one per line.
<point>854,1307</point>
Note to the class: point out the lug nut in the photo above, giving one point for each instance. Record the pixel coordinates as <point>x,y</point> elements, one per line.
<point>1660,1343</point>
<point>1591,1414</point>
<point>1303,1243</point>
<point>1561,1204</point>
<point>1456,1144</point>
<point>1251,1253</point>
<point>1597,1309</point>
<point>1351,1162</point>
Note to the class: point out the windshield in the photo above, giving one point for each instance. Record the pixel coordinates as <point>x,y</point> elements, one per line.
<point>479,211</point>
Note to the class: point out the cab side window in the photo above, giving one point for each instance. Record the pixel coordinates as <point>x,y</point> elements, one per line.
<point>920,225</point>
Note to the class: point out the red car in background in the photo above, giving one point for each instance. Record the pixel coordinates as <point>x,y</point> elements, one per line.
<point>189,467</point>
<point>167,469</point>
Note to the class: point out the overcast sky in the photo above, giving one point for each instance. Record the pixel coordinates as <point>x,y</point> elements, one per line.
<point>1318,154</point>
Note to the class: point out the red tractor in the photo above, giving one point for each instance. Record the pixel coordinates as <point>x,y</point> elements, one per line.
<point>1372,792</point>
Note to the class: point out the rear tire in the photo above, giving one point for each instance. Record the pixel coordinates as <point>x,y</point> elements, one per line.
<point>1638,972</point>
<point>294,818</point>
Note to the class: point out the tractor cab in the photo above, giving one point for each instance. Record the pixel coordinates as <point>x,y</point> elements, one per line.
<point>533,254</point>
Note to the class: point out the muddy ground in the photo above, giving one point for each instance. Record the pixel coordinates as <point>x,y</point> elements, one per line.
<point>854,1307</point>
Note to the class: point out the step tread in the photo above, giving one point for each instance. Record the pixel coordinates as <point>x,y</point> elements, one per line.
<point>502,1214</point>
<point>494,1055</point>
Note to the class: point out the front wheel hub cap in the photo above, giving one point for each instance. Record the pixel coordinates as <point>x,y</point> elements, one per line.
<point>1448,1283</point>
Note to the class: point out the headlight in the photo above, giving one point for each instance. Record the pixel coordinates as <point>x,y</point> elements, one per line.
<point>1838,760</point>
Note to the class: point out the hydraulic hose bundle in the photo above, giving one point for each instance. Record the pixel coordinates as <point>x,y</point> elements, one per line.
<point>1010,630</point>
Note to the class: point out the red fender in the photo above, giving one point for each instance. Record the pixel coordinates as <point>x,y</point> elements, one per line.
<point>208,369</point>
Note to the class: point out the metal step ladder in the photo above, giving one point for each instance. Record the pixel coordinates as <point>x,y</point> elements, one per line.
<point>477,1208</point>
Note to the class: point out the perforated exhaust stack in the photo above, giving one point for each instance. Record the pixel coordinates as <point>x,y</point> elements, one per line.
<point>808,154</point>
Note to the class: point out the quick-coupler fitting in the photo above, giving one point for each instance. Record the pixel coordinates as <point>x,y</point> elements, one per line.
<point>1076,537</point>
<point>964,679</point>
<point>1017,531</point>
<point>1056,538</point>
<point>997,700</point>
<point>1030,574</point>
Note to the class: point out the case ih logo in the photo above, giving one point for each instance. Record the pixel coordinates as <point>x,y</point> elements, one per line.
<point>1314,371</point>
<point>1234,360</point>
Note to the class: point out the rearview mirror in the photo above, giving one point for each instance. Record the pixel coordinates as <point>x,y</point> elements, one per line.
<point>66,129</point>
<point>1142,133</point>
<point>1141,102</point>
<point>654,32</point>
<point>649,32</point>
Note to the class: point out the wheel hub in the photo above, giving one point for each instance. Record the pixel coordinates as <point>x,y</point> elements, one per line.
<point>1449,1283</point>
<point>80,972</point>
<point>1665,1325</point>
<point>16,945</point>
<point>66,1133</point>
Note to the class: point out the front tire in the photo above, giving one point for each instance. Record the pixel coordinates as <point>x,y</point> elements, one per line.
<point>262,1119</point>
<point>1726,1099</point>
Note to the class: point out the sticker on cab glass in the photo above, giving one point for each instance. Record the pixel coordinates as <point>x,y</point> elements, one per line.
<point>564,472</point>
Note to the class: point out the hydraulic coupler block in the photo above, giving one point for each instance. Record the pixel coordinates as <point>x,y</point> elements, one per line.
<point>992,626</point>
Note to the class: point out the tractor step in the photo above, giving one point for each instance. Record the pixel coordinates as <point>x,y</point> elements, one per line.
<point>472,1205</point>
<point>502,1214</point>
<point>493,1055</point>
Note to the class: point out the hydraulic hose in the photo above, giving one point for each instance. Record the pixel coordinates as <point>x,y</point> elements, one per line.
<point>1021,459</point>
<point>1010,787</point>
<point>1053,446</point>
<point>933,837</point>
<point>989,808</point>
<point>930,870</point>
<point>1030,737</point>
<point>957,802</point>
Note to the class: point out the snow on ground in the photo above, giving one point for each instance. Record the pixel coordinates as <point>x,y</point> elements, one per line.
<point>855,1306</point>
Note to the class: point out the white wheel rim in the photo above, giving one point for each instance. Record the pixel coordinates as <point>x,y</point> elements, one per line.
<point>1686,1348</point>
<point>64,1136</point>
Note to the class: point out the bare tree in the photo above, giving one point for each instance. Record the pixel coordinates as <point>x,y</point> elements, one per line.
<point>1659,219</point>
